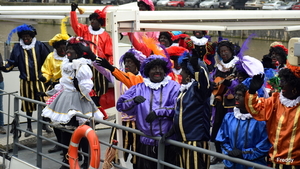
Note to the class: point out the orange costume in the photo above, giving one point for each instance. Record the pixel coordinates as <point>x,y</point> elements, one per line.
<point>283,126</point>
<point>101,38</point>
<point>128,79</point>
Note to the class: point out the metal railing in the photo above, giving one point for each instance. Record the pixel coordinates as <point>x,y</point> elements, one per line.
<point>161,142</point>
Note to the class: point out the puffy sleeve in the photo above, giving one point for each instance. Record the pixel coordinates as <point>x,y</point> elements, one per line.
<point>84,76</point>
<point>125,103</point>
<point>260,108</point>
<point>78,28</point>
<point>47,68</point>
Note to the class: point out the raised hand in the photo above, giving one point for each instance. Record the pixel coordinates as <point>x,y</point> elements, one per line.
<point>256,83</point>
<point>104,63</point>
<point>74,6</point>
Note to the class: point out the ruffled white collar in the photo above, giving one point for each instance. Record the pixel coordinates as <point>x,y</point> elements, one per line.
<point>241,116</point>
<point>56,56</point>
<point>27,47</point>
<point>184,87</point>
<point>156,86</point>
<point>199,42</point>
<point>225,67</point>
<point>75,64</point>
<point>98,32</point>
<point>287,102</point>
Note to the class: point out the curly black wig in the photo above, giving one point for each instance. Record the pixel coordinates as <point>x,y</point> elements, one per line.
<point>58,43</point>
<point>30,33</point>
<point>228,44</point>
<point>278,50</point>
<point>289,76</point>
<point>241,87</point>
<point>131,56</point>
<point>203,32</point>
<point>156,62</point>
<point>147,6</point>
<point>95,15</point>
<point>168,35</point>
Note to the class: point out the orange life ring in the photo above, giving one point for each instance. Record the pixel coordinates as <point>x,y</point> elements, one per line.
<point>79,133</point>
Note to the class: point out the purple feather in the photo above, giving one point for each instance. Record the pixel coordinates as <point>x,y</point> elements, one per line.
<point>245,47</point>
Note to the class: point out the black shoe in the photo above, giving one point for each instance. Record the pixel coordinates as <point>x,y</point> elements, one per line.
<point>66,162</point>
<point>28,134</point>
<point>47,128</point>
<point>54,149</point>
<point>215,160</point>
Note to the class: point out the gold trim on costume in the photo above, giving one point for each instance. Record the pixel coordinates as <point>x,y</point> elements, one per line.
<point>134,142</point>
<point>292,140</point>
<point>180,117</point>
<point>35,63</point>
<point>278,129</point>
<point>253,111</point>
<point>187,164</point>
<point>195,155</point>
<point>27,65</point>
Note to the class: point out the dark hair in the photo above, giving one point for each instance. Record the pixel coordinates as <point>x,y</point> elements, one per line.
<point>131,56</point>
<point>156,62</point>
<point>227,44</point>
<point>95,15</point>
<point>289,76</point>
<point>147,6</point>
<point>76,47</point>
<point>203,32</point>
<point>267,62</point>
<point>185,69</point>
<point>58,43</point>
<point>30,33</point>
<point>168,35</point>
<point>278,50</point>
<point>241,87</point>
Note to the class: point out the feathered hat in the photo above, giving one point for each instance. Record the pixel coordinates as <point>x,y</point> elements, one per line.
<point>153,58</point>
<point>61,36</point>
<point>149,3</point>
<point>137,54</point>
<point>101,15</point>
<point>21,30</point>
<point>176,51</point>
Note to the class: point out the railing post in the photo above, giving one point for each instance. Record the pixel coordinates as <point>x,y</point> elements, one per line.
<point>16,123</point>
<point>161,153</point>
<point>39,134</point>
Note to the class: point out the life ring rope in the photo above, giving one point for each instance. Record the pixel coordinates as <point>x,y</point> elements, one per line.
<point>72,155</point>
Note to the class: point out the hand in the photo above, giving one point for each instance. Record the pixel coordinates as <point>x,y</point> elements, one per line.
<point>87,52</point>
<point>42,79</point>
<point>104,63</point>
<point>74,6</point>
<point>41,94</point>
<point>151,117</point>
<point>170,132</point>
<point>236,153</point>
<point>139,99</point>
<point>256,83</point>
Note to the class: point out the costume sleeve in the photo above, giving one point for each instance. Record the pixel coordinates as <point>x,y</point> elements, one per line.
<point>262,148</point>
<point>44,52</point>
<point>47,68</point>
<point>104,71</point>
<point>125,103</point>
<point>13,59</point>
<point>260,108</point>
<point>124,77</point>
<point>78,28</point>
<point>202,78</point>
<point>223,136</point>
<point>84,75</point>
<point>139,46</point>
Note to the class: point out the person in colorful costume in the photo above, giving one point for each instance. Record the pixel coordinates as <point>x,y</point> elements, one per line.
<point>51,68</point>
<point>75,83</point>
<point>193,101</point>
<point>154,113</point>
<point>129,74</point>
<point>223,73</point>
<point>281,113</point>
<point>241,135</point>
<point>103,48</point>
<point>29,56</point>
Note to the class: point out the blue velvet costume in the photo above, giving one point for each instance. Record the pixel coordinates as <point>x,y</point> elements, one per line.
<point>248,135</point>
